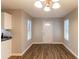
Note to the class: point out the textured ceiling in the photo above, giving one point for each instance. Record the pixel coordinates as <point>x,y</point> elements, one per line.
<point>28,6</point>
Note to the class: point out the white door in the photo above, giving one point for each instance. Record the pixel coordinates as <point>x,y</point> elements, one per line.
<point>47,32</point>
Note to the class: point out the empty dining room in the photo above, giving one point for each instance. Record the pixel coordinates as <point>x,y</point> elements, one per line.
<point>39,29</point>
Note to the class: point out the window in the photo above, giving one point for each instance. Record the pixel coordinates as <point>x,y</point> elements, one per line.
<point>29,26</point>
<point>66,29</point>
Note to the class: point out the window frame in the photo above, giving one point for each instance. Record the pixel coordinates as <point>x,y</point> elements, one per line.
<point>66,29</point>
<point>29,30</point>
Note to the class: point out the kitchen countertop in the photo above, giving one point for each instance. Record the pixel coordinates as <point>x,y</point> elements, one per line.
<point>5,38</point>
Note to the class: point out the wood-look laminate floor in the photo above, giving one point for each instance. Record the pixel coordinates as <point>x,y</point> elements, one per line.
<point>48,51</point>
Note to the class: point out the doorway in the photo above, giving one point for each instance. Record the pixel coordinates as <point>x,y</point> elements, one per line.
<point>47,32</point>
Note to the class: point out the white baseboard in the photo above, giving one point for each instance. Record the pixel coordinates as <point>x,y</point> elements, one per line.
<point>47,43</point>
<point>26,49</point>
<point>16,54</point>
<point>20,54</point>
<point>70,50</point>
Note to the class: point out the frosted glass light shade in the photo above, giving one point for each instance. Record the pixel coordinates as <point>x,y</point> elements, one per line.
<point>55,0</point>
<point>38,4</point>
<point>47,9</point>
<point>56,6</point>
<point>42,0</point>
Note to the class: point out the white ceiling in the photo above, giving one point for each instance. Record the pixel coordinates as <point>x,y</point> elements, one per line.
<point>28,6</point>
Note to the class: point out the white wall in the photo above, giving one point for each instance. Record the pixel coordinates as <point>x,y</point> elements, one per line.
<point>19,31</point>
<point>72,44</point>
<point>25,43</point>
<point>58,29</point>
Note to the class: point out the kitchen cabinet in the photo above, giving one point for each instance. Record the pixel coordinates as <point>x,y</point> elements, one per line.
<point>6,20</point>
<point>6,49</point>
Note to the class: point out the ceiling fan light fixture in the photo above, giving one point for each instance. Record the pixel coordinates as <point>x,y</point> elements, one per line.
<point>38,4</point>
<point>46,4</point>
<point>56,6</point>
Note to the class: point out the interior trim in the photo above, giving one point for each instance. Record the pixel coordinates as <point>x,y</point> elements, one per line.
<point>21,54</point>
<point>47,43</point>
<point>70,50</point>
